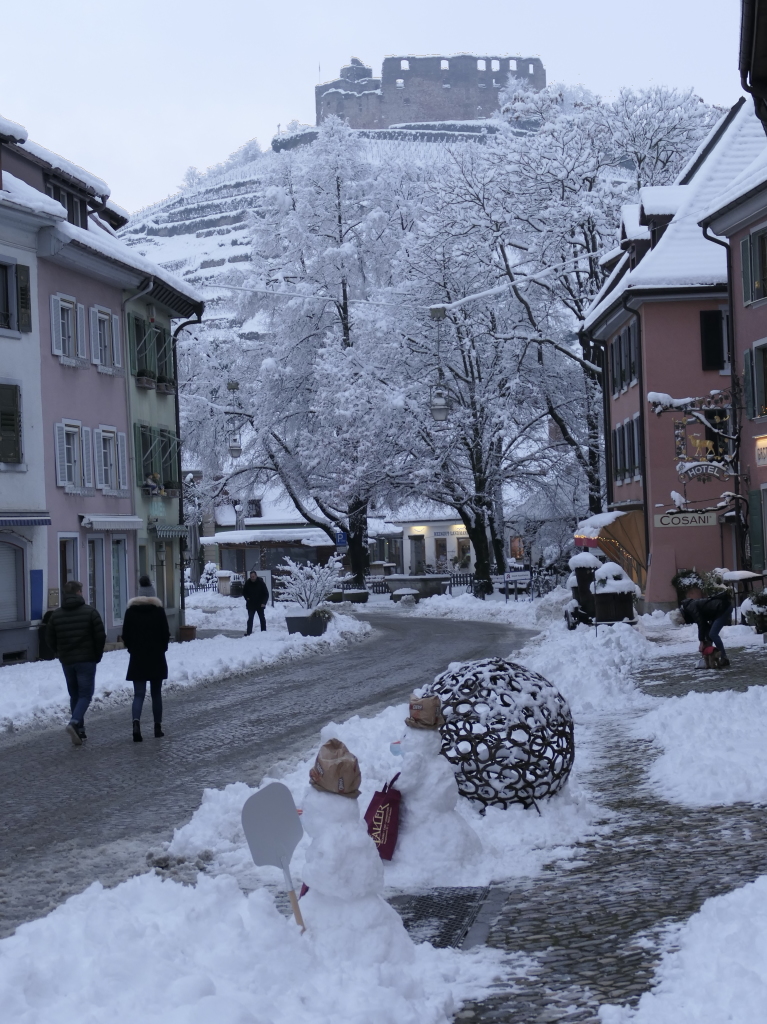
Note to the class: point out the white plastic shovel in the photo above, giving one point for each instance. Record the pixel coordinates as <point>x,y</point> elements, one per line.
<point>273,830</point>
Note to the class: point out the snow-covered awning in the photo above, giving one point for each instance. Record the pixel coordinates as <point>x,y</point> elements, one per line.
<point>310,537</point>
<point>111,524</point>
<point>621,535</point>
<point>588,530</point>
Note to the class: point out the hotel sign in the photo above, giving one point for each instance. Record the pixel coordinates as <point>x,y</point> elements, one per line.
<point>761,450</point>
<point>686,519</point>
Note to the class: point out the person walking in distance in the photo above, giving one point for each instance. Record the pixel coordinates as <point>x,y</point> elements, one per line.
<point>76,636</point>
<point>256,596</point>
<point>146,635</point>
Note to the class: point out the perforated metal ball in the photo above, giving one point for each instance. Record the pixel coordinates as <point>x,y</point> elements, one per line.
<point>508,731</point>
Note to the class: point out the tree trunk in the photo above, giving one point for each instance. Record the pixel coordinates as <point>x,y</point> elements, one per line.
<point>358,528</point>
<point>475,527</point>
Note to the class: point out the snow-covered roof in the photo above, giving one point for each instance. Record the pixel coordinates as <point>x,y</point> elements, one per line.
<point>60,163</point>
<point>225,515</point>
<point>683,257</point>
<point>750,178</point>
<point>613,254</point>
<point>590,527</point>
<point>116,249</point>
<point>309,536</point>
<point>119,210</point>
<point>380,528</point>
<point>631,229</point>
<point>662,200</point>
<point>13,131</point>
<point>18,193</point>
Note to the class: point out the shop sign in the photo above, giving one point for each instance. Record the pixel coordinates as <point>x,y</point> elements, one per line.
<point>702,471</point>
<point>761,450</point>
<point>686,519</point>
<point>461,532</point>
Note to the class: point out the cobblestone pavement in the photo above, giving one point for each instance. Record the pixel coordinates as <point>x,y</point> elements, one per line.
<point>594,933</point>
<point>71,816</point>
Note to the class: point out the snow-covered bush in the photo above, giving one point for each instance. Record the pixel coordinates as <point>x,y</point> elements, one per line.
<point>209,574</point>
<point>310,585</point>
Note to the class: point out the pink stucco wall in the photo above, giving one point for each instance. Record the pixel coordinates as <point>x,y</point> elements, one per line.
<point>671,363</point>
<point>94,398</point>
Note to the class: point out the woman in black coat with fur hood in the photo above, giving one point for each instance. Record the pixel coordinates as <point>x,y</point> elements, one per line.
<point>146,635</point>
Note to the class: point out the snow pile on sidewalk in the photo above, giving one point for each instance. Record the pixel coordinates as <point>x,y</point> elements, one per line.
<point>157,951</point>
<point>713,747</point>
<point>208,609</point>
<point>36,690</point>
<point>522,613</point>
<point>515,842</point>
<point>718,974</point>
<point>592,668</point>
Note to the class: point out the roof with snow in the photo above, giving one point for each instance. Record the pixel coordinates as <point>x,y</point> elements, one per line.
<point>683,258</point>
<point>661,200</point>
<point>631,229</point>
<point>11,130</point>
<point>309,536</point>
<point>749,180</point>
<point>16,192</point>
<point>56,162</point>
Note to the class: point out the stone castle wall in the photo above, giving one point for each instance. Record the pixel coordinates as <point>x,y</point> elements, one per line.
<point>412,89</point>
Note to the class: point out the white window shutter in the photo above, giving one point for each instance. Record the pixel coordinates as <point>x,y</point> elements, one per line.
<point>55,325</point>
<point>82,348</point>
<point>98,458</point>
<point>117,355</point>
<point>94,321</point>
<point>61,454</point>
<point>87,457</point>
<point>122,461</point>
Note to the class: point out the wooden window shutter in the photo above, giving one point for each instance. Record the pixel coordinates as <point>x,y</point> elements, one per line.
<point>117,355</point>
<point>711,339</point>
<point>23,298</point>
<point>56,325</point>
<point>98,458</point>
<point>756,530</point>
<point>615,372</point>
<point>745,270</point>
<point>85,433</point>
<point>10,423</point>
<point>61,453</point>
<point>132,343</point>
<point>95,347</point>
<point>634,349</point>
<point>137,459</point>
<point>638,443</point>
<point>122,461</point>
<point>748,382</point>
<point>82,347</point>
<point>757,367</point>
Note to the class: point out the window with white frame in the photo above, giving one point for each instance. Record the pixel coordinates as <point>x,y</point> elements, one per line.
<point>110,459</point>
<point>68,328</point>
<point>74,456</point>
<point>106,350</point>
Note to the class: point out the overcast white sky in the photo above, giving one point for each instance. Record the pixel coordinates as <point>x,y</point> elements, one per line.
<point>136,92</point>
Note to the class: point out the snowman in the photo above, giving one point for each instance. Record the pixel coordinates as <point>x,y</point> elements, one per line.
<point>433,836</point>
<point>344,908</point>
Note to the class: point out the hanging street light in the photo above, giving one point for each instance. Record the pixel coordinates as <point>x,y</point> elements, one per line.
<point>439,405</point>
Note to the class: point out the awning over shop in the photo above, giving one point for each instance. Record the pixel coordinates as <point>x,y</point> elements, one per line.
<point>310,537</point>
<point>169,532</point>
<point>111,524</point>
<point>621,535</point>
<point>25,519</point>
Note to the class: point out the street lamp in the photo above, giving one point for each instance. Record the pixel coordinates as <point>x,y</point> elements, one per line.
<point>439,405</point>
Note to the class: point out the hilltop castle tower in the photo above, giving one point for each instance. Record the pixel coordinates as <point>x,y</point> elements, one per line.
<point>460,87</point>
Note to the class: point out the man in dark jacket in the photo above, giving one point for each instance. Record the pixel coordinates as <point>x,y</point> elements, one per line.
<point>76,636</point>
<point>710,614</point>
<point>146,635</point>
<point>256,596</point>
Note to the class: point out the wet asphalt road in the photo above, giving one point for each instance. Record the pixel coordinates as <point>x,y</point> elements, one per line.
<point>75,815</point>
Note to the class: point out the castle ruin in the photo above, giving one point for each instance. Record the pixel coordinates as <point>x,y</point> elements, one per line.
<point>462,87</point>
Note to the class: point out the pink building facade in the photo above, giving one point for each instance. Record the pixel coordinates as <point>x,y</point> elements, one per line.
<point>660,330</point>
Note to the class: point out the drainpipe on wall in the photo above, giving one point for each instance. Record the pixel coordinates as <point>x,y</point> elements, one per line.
<point>144,290</point>
<point>739,534</point>
<point>182,598</point>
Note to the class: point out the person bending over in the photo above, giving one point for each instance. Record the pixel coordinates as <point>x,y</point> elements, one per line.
<point>709,614</point>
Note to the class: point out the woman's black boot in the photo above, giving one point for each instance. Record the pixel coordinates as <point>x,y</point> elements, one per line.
<point>137,737</point>
<point>158,730</point>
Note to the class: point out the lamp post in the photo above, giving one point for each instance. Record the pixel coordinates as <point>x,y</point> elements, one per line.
<point>439,405</point>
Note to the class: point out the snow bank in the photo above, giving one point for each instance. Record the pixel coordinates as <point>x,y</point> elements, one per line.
<point>514,843</point>
<point>713,747</point>
<point>719,973</point>
<point>523,613</point>
<point>36,690</point>
<point>158,951</point>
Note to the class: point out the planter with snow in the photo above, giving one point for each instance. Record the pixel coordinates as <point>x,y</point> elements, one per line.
<point>224,577</point>
<point>306,625</point>
<point>614,594</point>
<point>423,586</point>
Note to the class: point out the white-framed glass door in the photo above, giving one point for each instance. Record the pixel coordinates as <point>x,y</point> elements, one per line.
<point>96,589</point>
<point>119,595</point>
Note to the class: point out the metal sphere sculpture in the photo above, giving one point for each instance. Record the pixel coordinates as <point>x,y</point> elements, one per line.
<point>508,731</point>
